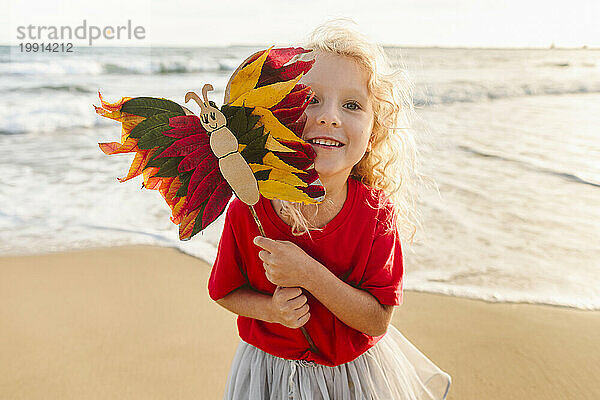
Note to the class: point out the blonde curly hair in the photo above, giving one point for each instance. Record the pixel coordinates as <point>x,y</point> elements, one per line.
<point>391,164</point>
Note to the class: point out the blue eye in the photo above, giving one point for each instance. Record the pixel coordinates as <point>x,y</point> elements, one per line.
<point>352,105</point>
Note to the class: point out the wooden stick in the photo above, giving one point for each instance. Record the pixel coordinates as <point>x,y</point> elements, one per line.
<point>260,228</point>
<point>313,348</point>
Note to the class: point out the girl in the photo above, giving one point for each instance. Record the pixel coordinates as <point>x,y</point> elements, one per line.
<point>336,268</point>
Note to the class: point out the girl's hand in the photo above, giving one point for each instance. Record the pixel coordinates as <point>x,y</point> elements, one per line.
<point>285,263</point>
<point>289,307</point>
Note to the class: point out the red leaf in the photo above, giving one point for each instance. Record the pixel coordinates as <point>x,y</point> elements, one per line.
<point>298,126</point>
<point>291,71</point>
<point>299,161</point>
<point>206,166</point>
<point>216,203</point>
<point>309,177</point>
<point>288,115</point>
<point>313,191</point>
<point>186,146</point>
<point>202,158</point>
<point>278,57</point>
<point>184,125</point>
<point>204,189</point>
<point>298,97</point>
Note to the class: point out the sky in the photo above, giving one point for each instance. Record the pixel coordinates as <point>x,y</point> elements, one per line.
<point>447,23</point>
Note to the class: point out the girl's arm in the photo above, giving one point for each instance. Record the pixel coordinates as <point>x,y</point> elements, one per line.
<point>286,264</point>
<point>287,306</point>
<point>355,307</point>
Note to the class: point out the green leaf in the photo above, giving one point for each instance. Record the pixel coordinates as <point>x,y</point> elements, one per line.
<point>157,122</point>
<point>155,157</point>
<point>228,111</point>
<point>237,123</point>
<point>198,222</point>
<point>251,135</point>
<point>169,169</point>
<point>254,156</point>
<point>258,143</point>
<point>262,175</point>
<point>157,162</point>
<point>149,106</point>
<point>155,138</point>
<point>252,120</point>
<point>184,178</point>
<point>255,151</point>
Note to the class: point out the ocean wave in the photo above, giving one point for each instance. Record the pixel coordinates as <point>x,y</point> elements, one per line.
<point>59,117</point>
<point>510,297</point>
<point>556,64</point>
<point>141,66</point>
<point>464,92</point>
<point>569,176</point>
<point>52,88</point>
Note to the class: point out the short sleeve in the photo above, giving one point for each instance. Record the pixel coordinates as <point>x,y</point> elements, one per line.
<point>384,270</point>
<point>227,271</point>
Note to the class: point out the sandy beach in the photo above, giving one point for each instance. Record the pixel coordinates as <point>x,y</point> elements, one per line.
<point>136,322</point>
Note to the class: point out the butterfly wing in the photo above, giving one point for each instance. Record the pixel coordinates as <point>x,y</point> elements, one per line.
<point>172,152</point>
<point>265,110</point>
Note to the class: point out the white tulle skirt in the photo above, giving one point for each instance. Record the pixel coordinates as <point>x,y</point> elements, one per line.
<point>392,369</point>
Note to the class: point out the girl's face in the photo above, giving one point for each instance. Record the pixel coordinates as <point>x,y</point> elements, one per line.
<point>340,116</point>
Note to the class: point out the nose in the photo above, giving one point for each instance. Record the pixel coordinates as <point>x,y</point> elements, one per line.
<point>333,123</point>
<point>328,116</point>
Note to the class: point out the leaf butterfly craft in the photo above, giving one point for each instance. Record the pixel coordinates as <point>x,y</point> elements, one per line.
<point>249,147</point>
<point>252,145</point>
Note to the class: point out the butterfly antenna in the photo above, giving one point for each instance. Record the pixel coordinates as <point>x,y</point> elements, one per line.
<point>193,96</point>
<point>205,89</point>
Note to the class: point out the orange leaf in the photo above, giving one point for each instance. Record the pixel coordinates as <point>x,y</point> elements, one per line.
<point>178,211</point>
<point>187,224</point>
<point>113,106</point>
<point>138,164</point>
<point>128,146</point>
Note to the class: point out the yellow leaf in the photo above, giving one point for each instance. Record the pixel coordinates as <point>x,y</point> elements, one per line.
<point>274,161</point>
<point>277,190</point>
<point>259,167</point>
<point>247,78</point>
<point>274,127</point>
<point>273,145</point>
<point>267,96</point>
<point>286,177</point>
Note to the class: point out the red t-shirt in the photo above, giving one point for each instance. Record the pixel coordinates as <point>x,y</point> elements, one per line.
<point>354,246</point>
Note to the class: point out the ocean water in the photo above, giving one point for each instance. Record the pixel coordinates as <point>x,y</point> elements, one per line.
<point>512,140</point>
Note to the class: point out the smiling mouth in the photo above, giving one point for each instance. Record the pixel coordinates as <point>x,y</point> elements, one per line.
<point>325,143</point>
